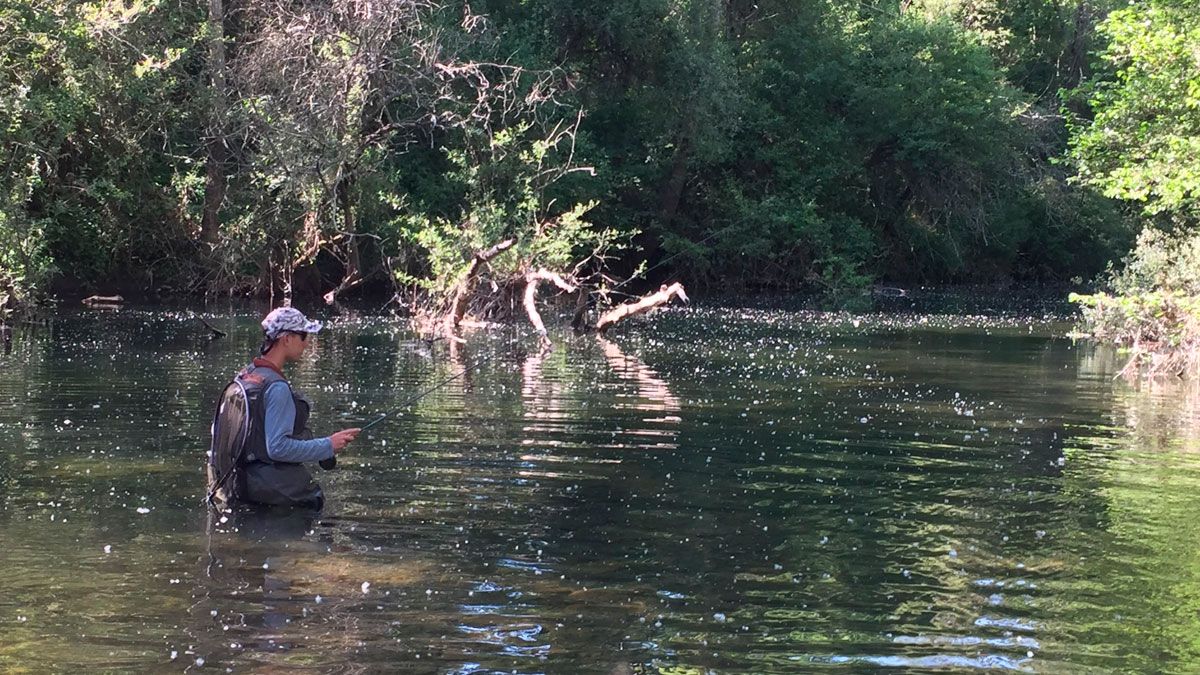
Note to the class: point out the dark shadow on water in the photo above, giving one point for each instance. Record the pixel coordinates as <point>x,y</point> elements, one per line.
<point>274,580</point>
<point>266,524</point>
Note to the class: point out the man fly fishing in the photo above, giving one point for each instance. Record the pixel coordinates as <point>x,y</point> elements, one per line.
<point>260,438</point>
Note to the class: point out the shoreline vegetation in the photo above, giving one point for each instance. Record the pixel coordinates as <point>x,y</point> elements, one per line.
<point>1159,329</point>
<point>1151,308</point>
<point>1143,147</point>
<point>471,161</point>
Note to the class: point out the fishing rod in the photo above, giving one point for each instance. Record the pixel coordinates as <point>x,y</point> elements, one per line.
<point>432,388</point>
<point>453,376</point>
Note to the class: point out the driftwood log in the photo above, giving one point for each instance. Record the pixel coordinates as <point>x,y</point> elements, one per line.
<point>462,291</point>
<point>532,281</point>
<point>640,306</point>
<point>103,300</point>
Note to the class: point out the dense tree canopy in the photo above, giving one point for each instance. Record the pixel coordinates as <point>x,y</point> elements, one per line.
<point>319,146</point>
<point>1139,142</point>
<point>1144,143</point>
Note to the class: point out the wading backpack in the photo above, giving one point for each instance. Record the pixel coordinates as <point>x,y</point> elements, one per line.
<point>230,430</point>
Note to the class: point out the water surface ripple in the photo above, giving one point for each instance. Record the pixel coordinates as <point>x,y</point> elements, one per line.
<point>715,489</point>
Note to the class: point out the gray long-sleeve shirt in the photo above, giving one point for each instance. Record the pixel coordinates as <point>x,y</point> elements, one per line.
<point>280,413</point>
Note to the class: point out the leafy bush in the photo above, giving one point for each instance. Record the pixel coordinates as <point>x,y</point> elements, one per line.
<point>24,266</point>
<point>1161,261</point>
<point>1155,320</point>
<point>1155,311</point>
<point>498,187</point>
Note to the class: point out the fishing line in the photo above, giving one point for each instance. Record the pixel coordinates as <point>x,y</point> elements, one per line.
<point>432,388</point>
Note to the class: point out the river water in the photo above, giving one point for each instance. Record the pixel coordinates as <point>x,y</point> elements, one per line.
<point>714,489</point>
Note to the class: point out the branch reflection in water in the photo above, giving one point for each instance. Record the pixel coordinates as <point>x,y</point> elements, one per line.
<point>653,394</point>
<point>548,408</point>
<point>542,399</point>
<point>1158,411</point>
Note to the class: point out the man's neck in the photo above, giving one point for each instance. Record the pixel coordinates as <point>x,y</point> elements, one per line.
<point>275,358</point>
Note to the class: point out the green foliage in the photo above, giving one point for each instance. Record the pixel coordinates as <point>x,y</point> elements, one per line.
<point>834,143</point>
<point>1040,45</point>
<point>1160,261</point>
<point>1156,305</point>
<point>93,124</point>
<point>498,190</point>
<point>1143,144</point>
<point>939,156</point>
<point>810,144</point>
<point>24,266</point>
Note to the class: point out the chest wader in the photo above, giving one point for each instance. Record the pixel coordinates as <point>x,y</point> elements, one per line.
<point>240,471</point>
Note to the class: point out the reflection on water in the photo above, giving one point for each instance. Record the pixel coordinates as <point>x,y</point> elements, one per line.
<point>735,490</point>
<point>653,394</point>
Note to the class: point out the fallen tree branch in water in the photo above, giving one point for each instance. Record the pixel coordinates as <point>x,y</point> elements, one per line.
<point>103,300</point>
<point>352,278</point>
<point>640,306</point>
<point>532,281</point>
<point>462,291</point>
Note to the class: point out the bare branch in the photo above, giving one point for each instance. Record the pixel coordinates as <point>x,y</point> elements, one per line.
<point>641,306</point>
<point>462,290</point>
<point>532,281</point>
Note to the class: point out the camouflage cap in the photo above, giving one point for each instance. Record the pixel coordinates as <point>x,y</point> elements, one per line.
<point>287,319</point>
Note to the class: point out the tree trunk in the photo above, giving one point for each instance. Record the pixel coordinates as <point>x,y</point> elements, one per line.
<point>710,27</point>
<point>462,290</point>
<point>1077,49</point>
<point>310,239</point>
<point>218,152</point>
<point>353,273</point>
<point>677,177</point>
